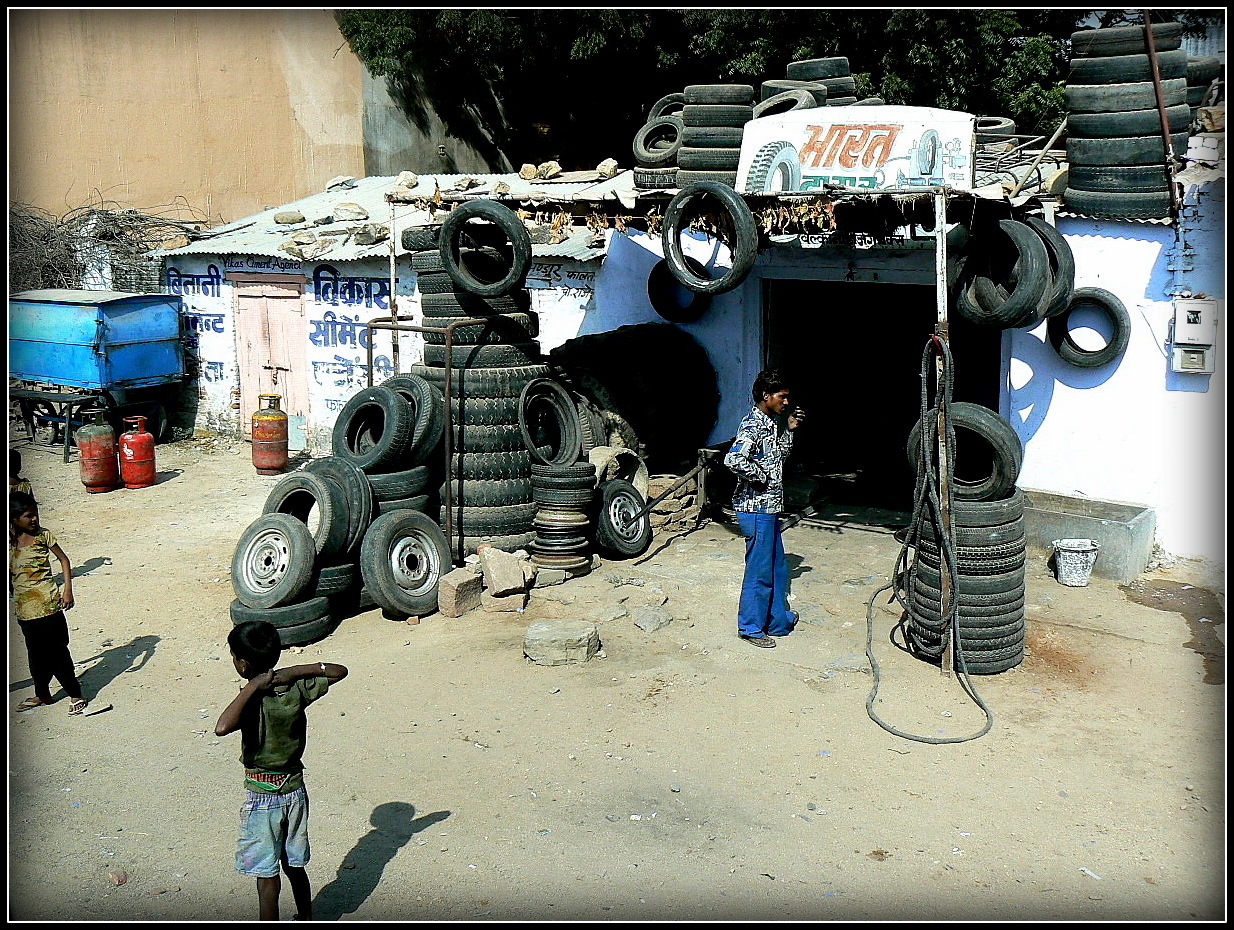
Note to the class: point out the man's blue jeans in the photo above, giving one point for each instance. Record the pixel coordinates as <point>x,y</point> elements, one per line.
<point>764,589</point>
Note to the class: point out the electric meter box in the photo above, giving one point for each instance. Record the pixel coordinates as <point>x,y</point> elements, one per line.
<point>1198,360</point>
<point>1195,321</point>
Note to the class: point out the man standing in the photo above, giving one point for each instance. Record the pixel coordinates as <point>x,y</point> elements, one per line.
<point>757,459</point>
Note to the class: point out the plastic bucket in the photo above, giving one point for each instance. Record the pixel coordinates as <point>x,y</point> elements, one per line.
<point>1073,560</point>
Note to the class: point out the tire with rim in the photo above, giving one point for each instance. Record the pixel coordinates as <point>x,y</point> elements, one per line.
<point>1069,350</point>
<point>775,167</point>
<point>374,429</point>
<point>1127,69</point>
<point>402,559</point>
<point>273,561</point>
<point>618,533</point>
<point>428,414</point>
<point>353,486</point>
<point>560,430</point>
<point>743,233</point>
<point>1134,95</point>
<point>511,227</point>
<point>815,69</point>
<point>672,300</point>
<point>1007,452</point>
<point>1137,205</point>
<point>302,492</point>
<point>662,129</point>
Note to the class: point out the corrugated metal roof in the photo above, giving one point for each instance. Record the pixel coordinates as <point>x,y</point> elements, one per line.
<point>61,295</point>
<point>260,235</point>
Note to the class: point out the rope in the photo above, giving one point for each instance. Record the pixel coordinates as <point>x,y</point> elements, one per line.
<point>927,504</point>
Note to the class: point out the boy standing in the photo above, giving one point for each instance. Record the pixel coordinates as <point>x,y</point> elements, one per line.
<point>757,457</point>
<point>269,712</point>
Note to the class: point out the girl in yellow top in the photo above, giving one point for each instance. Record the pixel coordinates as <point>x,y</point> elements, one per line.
<point>41,604</point>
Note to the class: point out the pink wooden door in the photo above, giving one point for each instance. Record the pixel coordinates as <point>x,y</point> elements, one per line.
<point>271,337</point>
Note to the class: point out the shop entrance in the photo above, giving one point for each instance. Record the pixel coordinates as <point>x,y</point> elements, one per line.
<point>853,353</point>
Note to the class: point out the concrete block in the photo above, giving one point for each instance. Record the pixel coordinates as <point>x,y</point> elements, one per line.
<point>561,642</point>
<point>1124,531</point>
<point>458,592</point>
<point>503,602</point>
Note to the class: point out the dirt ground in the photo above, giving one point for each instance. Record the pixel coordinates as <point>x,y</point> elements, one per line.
<point>682,775</point>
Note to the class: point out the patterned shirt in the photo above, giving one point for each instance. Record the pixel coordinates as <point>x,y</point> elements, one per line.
<point>273,733</point>
<point>757,458</point>
<point>20,484</point>
<point>34,585</point>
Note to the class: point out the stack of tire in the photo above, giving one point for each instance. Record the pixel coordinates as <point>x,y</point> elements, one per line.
<point>833,74</point>
<point>478,271</point>
<point>1115,150</point>
<point>713,121</point>
<point>657,142</point>
<point>1202,70</point>
<point>1014,273</point>
<point>989,552</point>
<point>563,497</point>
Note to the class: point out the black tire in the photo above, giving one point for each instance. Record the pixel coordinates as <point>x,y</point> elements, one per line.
<point>470,543</point>
<point>871,102</point>
<point>928,546</point>
<point>273,561</point>
<point>564,482</point>
<point>428,412</point>
<point>722,114</point>
<point>1195,96</point>
<point>1004,583</point>
<point>672,300</point>
<point>654,179</point>
<point>975,537</point>
<point>1143,205</point>
<point>392,486</point>
<point>503,520</point>
<point>509,355</point>
<point>799,98</point>
<point>1125,40</point>
<point>1119,179</point>
<point>298,494</point>
<point>712,137</point>
<point>975,566</point>
<point>618,535</point>
<point>744,235</point>
<point>468,437</point>
<point>461,303</point>
<point>1014,250</point>
<point>668,105</point>
<point>1136,95</point>
<point>715,159</point>
<point>995,126</point>
<point>490,466</point>
<point>992,512</point>
<point>1059,334</point>
<point>420,238</point>
<point>561,430</point>
<point>1062,266</point>
<point>1129,150</point>
<point>772,88</point>
<point>476,493</point>
<point>591,424</point>
<point>578,470</point>
<point>775,167</point>
<point>434,282</point>
<point>712,94</point>
<point>471,383</point>
<point>335,579</point>
<point>972,606</point>
<point>510,226</point>
<point>297,624</point>
<point>1127,122</point>
<point>356,493</point>
<point>499,328</point>
<point>374,429</point>
<point>1007,452</point>
<point>402,559</point>
<point>1202,70</point>
<point>815,69</point>
<point>687,177</point>
<point>563,497</point>
<point>842,86</point>
<point>841,101</point>
<point>1127,69</point>
<point>428,260</point>
<point>662,129</point>
<point>485,411</point>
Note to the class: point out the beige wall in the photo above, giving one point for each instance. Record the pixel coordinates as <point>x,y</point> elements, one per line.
<point>232,111</point>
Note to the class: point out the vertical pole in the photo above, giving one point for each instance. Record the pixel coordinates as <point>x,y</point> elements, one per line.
<point>393,292</point>
<point>941,331</point>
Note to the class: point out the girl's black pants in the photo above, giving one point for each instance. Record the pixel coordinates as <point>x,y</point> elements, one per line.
<point>47,646</point>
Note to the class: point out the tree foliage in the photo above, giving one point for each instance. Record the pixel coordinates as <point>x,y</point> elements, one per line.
<point>576,84</point>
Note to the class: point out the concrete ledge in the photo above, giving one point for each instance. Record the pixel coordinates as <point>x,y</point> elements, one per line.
<point>1124,531</point>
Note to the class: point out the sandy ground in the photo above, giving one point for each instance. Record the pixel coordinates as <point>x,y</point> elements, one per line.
<point>683,775</point>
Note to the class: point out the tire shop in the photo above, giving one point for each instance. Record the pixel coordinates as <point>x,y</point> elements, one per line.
<point>889,259</point>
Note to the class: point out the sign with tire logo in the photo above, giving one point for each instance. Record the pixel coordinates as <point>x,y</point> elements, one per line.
<point>863,148</point>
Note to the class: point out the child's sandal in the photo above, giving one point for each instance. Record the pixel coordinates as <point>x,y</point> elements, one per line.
<point>78,706</point>
<point>29,704</point>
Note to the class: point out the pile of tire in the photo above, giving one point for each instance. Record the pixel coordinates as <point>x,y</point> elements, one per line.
<point>713,121</point>
<point>1013,273</point>
<point>563,496</point>
<point>476,269</point>
<point>830,80</point>
<point>657,143</point>
<point>989,552</point>
<point>1116,154</point>
<point>1202,70</point>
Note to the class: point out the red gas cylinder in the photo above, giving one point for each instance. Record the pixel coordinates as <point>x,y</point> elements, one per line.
<point>270,437</point>
<point>137,455</point>
<point>96,448</point>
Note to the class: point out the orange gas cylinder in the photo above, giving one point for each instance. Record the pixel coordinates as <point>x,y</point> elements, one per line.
<point>96,447</point>
<point>137,455</point>
<point>270,437</point>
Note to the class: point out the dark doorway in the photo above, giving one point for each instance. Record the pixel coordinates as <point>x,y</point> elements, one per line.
<point>853,352</point>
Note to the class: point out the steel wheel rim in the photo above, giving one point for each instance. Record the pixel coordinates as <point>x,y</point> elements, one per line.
<point>266,560</point>
<point>413,564</point>
<point>621,516</point>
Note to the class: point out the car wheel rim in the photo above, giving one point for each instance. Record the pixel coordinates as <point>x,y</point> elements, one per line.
<point>267,560</point>
<point>621,515</point>
<point>413,565</point>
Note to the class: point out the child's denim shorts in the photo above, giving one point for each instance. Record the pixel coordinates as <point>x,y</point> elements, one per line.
<point>271,826</point>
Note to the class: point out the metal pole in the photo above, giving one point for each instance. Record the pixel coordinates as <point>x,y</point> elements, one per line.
<point>393,286</point>
<point>1165,122</point>
<point>941,331</point>
<point>1040,155</point>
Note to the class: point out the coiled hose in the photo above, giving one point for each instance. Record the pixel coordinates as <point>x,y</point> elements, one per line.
<point>927,505</point>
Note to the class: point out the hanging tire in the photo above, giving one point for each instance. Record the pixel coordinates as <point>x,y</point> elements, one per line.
<point>508,223</point>
<point>561,431</point>
<point>1127,69</point>
<point>428,414</point>
<point>402,559</point>
<point>302,492</point>
<point>775,167</point>
<point>1136,95</point>
<point>273,561</point>
<point>1062,266</point>
<point>374,429</point>
<point>799,98</point>
<point>509,355</point>
<point>662,129</point>
<point>1125,40</point>
<point>670,299</point>
<point>1102,300</point>
<point>1006,451</point>
<point>1016,260</point>
<point>744,236</point>
<point>618,533</point>
<point>353,486</point>
<point>712,94</point>
<point>1129,150</point>
<point>815,69</point>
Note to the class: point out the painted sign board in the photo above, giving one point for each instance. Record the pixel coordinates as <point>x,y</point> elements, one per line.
<point>863,148</point>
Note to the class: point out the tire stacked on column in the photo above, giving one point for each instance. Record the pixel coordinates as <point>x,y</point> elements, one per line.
<point>713,119</point>
<point>989,553</point>
<point>1202,70</point>
<point>1115,151</point>
<point>831,73</point>
<point>656,144</point>
<point>563,496</point>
